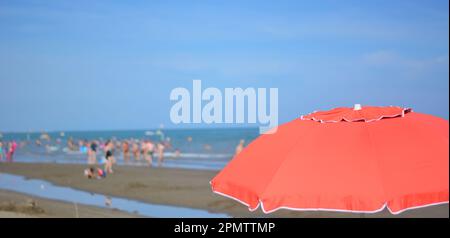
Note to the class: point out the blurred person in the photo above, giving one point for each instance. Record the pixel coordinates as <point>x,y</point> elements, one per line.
<point>207,147</point>
<point>239,147</point>
<point>149,149</point>
<point>92,153</point>
<point>1,150</point>
<point>82,146</point>
<point>126,151</point>
<point>92,173</point>
<point>160,148</point>
<point>109,157</point>
<point>177,154</point>
<point>70,144</point>
<point>135,151</point>
<point>11,150</point>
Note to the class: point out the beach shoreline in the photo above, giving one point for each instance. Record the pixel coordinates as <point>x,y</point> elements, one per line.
<point>19,205</point>
<point>175,187</point>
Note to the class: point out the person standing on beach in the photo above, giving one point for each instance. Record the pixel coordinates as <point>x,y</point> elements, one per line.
<point>240,147</point>
<point>160,148</point>
<point>143,149</point>
<point>109,157</point>
<point>135,151</point>
<point>12,148</point>
<point>89,154</point>
<point>114,147</point>
<point>149,149</point>
<point>6,150</point>
<point>177,153</point>
<point>126,151</point>
<point>92,153</point>
<point>71,144</point>
<point>1,151</point>
<point>81,146</point>
<point>118,145</point>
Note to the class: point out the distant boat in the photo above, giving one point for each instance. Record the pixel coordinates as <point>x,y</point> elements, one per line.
<point>149,133</point>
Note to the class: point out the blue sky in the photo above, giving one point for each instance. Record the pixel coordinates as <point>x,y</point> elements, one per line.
<point>82,65</point>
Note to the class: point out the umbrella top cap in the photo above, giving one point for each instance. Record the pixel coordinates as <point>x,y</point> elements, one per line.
<point>357,107</point>
<point>357,114</point>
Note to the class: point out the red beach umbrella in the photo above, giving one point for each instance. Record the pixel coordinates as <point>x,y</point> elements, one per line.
<point>359,159</point>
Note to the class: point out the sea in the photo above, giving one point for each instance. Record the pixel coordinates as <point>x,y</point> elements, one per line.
<point>207,149</point>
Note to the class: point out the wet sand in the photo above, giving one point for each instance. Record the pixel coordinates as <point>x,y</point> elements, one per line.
<point>179,187</point>
<point>17,205</point>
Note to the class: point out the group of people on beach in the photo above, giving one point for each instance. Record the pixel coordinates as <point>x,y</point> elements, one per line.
<point>145,149</point>
<point>129,149</point>
<point>7,150</point>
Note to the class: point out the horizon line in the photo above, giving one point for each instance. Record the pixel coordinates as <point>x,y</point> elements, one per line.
<point>147,129</point>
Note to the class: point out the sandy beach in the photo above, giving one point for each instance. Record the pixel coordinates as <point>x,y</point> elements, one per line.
<point>177,187</point>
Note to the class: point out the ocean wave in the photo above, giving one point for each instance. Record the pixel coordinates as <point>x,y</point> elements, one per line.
<point>199,155</point>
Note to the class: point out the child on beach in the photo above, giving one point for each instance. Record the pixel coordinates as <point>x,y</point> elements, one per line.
<point>92,173</point>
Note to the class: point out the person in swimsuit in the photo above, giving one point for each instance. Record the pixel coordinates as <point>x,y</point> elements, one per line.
<point>71,144</point>
<point>239,147</point>
<point>118,147</point>
<point>160,148</point>
<point>149,149</point>
<point>12,148</point>
<point>135,151</point>
<point>143,149</point>
<point>126,151</point>
<point>92,173</point>
<point>109,157</point>
<point>1,151</point>
<point>92,153</point>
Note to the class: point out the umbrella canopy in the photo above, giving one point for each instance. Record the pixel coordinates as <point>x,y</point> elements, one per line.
<point>359,159</point>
